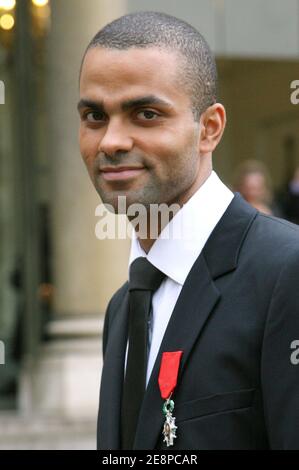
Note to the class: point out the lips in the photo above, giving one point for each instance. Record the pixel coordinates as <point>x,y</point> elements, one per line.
<point>120,173</point>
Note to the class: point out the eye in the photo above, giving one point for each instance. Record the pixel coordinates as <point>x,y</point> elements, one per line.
<point>147,115</point>
<point>94,116</point>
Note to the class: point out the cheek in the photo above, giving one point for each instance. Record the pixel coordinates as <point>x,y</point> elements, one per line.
<point>88,143</point>
<point>162,147</point>
<point>178,155</point>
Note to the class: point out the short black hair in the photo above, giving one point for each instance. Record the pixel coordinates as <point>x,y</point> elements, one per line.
<point>145,29</point>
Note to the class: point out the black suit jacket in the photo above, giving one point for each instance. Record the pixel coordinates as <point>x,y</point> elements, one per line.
<point>235,320</point>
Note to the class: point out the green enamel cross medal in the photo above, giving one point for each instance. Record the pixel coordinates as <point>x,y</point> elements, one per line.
<point>169,429</point>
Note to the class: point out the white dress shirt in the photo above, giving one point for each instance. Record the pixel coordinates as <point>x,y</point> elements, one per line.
<point>175,256</point>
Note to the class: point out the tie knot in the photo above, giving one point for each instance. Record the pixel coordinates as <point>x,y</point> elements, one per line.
<point>144,275</point>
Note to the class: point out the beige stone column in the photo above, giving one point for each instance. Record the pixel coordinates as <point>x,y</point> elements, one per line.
<point>86,270</point>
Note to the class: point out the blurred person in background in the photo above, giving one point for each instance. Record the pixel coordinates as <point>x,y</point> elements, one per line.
<point>253,182</point>
<point>291,199</point>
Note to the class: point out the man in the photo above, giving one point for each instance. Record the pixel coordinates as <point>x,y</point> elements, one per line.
<point>216,365</point>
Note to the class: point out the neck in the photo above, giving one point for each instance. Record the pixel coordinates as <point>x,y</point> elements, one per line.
<point>147,240</point>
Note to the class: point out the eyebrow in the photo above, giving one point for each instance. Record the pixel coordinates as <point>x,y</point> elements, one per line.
<point>126,105</point>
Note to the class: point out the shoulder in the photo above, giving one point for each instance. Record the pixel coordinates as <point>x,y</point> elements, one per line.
<point>269,248</point>
<point>273,237</point>
<point>282,226</point>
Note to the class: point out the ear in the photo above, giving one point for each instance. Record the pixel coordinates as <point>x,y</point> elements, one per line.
<point>212,123</point>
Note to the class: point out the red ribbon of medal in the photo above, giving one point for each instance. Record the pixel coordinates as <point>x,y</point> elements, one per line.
<point>169,372</point>
<point>167,380</point>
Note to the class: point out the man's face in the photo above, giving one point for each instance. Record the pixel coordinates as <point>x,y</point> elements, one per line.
<point>135,116</point>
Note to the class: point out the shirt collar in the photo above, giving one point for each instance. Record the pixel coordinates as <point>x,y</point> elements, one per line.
<point>192,226</point>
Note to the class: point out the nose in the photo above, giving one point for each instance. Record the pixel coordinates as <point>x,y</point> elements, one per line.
<point>116,138</point>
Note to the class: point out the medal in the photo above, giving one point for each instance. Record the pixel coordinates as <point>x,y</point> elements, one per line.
<point>169,428</point>
<point>167,382</point>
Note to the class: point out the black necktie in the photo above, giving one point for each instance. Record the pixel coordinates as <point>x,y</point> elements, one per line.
<point>144,280</point>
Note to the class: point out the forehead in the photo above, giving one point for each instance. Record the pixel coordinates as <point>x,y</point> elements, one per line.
<point>118,73</point>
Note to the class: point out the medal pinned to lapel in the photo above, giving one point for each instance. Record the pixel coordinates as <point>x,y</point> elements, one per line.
<point>167,382</point>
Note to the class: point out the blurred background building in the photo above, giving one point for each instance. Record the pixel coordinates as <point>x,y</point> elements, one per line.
<point>56,276</point>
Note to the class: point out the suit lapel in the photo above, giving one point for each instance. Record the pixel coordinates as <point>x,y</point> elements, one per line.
<point>197,299</point>
<point>112,380</point>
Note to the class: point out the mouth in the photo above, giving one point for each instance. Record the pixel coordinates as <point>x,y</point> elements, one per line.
<point>120,173</point>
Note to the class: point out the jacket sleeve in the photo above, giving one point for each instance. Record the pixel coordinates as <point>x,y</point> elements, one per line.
<point>111,312</point>
<point>279,367</point>
<point>106,328</point>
